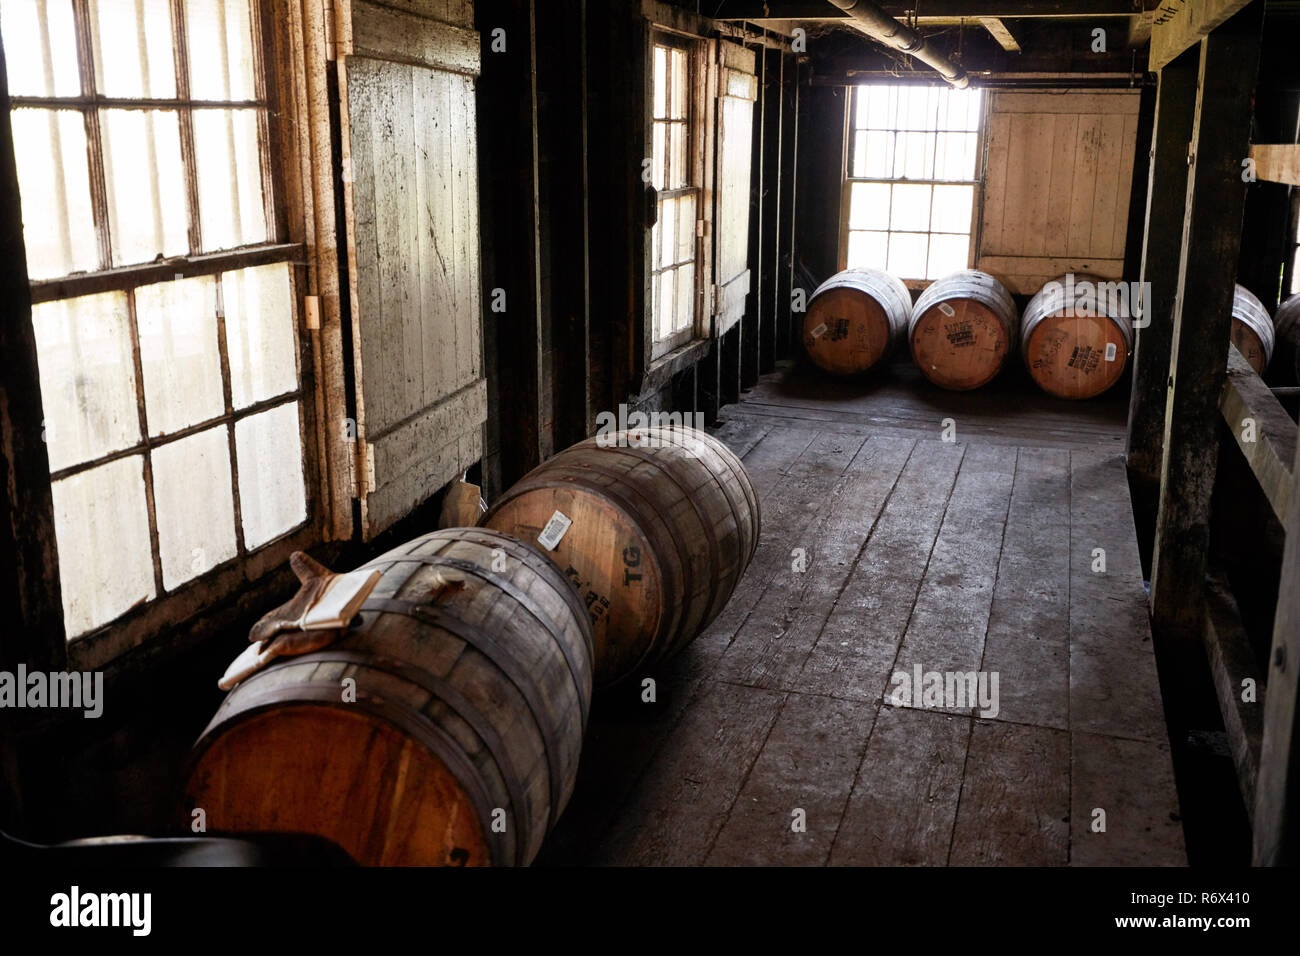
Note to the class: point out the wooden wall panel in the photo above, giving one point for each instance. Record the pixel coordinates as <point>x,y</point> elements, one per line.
<point>1058,175</point>
<point>411,197</point>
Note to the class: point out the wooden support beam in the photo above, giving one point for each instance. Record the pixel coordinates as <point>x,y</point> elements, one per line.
<point>1232,664</point>
<point>1184,25</point>
<point>1277,800</point>
<point>1161,248</point>
<point>1262,429</point>
<point>1216,195</point>
<point>1277,163</point>
<point>757,10</point>
<point>998,30</point>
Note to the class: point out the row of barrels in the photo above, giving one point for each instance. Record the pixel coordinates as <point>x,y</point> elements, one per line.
<point>962,329</point>
<point>444,726</point>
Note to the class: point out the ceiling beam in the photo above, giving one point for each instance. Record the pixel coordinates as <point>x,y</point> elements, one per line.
<point>998,30</point>
<point>970,9</point>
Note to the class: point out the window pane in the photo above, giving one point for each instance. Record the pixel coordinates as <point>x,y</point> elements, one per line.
<point>685,283</point>
<point>667,231</point>
<point>271,491</point>
<point>40,48</point>
<point>658,170</point>
<point>955,156</point>
<point>952,208</point>
<point>868,250</point>
<point>879,160</point>
<point>87,373</point>
<point>220,49</point>
<point>194,505</point>
<point>914,156</point>
<point>869,206</point>
<point>133,48</point>
<point>916,107</point>
<point>230,178</point>
<point>910,208</point>
<point>679,175</point>
<point>58,224</point>
<point>101,527</point>
<point>178,352</point>
<point>947,254</point>
<point>146,191</point>
<point>680,74</point>
<point>667,301</point>
<point>259,333</point>
<point>661,82</point>
<point>907,255</point>
<point>685,251</point>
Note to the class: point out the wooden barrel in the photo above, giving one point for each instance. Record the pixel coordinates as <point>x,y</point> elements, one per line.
<point>1252,329</point>
<point>1074,341</point>
<point>654,527</point>
<point>1286,331</point>
<point>855,319</point>
<point>460,744</point>
<point>962,329</point>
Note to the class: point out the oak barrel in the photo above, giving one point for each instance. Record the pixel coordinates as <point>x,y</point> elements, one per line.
<point>962,329</point>
<point>654,526</point>
<point>1252,329</point>
<point>460,746</point>
<point>1074,339</point>
<point>855,319</point>
<point>1286,330</point>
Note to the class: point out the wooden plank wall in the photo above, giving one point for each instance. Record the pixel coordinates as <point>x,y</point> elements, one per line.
<point>1059,176</point>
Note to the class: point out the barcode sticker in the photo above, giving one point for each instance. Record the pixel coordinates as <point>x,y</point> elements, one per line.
<point>554,531</point>
<point>947,310</point>
<point>819,331</point>
<point>1110,351</point>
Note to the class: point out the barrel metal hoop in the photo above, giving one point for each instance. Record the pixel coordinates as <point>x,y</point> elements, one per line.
<point>493,651</point>
<point>528,604</point>
<point>462,708</point>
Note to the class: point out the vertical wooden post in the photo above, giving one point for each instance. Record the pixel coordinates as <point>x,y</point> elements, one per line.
<point>1216,193</point>
<point>1161,249</point>
<point>752,323</point>
<point>789,177</point>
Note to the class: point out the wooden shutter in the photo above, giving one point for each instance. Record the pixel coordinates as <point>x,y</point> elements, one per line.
<point>410,182</point>
<point>1056,194</point>
<point>737,91</point>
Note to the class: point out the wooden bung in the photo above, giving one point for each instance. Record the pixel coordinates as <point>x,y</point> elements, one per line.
<point>963,328</point>
<point>653,527</point>
<point>442,729</point>
<point>855,319</point>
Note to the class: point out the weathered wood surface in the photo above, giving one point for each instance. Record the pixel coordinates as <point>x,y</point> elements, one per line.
<point>1262,429</point>
<point>969,555</point>
<point>1277,163</point>
<point>1184,25</point>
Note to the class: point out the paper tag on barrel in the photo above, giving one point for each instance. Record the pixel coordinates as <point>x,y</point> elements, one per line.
<point>554,531</point>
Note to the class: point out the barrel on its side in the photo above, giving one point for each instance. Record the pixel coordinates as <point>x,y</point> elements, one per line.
<point>1286,329</point>
<point>855,319</point>
<point>453,705</point>
<point>962,329</point>
<point>1252,329</point>
<point>1075,336</point>
<point>655,528</point>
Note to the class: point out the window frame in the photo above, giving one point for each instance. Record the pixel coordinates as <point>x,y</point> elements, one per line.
<point>280,78</point>
<point>847,180</point>
<point>695,49</point>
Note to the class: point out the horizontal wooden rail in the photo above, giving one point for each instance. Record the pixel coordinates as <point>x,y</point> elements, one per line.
<point>1277,163</point>
<point>1262,429</point>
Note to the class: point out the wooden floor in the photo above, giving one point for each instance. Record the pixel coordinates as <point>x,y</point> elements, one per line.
<point>973,555</point>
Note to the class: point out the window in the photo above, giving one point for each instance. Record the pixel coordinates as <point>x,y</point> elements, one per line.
<point>163,294</point>
<point>673,238</point>
<point>911,179</point>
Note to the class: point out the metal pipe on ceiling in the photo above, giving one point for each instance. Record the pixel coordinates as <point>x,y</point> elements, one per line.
<point>880,26</point>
